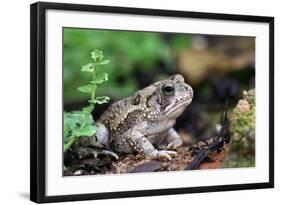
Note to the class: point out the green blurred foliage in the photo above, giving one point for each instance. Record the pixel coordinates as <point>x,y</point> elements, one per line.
<point>126,51</point>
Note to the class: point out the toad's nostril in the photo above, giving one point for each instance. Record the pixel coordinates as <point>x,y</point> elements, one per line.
<point>187,87</point>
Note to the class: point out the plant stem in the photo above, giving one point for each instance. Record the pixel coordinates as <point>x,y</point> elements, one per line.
<point>93,94</point>
<point>69,143</point>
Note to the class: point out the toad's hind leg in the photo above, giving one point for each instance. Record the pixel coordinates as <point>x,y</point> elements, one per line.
<point>85,152</point>
<point>134,141</point>
<point>96,145</point>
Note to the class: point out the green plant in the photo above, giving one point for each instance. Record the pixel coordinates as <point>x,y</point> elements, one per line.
<point>81,123</point>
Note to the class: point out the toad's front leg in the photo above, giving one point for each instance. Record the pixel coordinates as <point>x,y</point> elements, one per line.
<point>173,139</point>
<point>134,141</point>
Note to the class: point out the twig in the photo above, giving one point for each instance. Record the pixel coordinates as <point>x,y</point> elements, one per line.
<point>217,143</point>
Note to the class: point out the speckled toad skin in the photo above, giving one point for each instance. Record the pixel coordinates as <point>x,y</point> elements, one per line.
<point>138,124</point>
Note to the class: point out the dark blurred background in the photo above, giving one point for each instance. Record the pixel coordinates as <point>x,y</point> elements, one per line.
<point>217,67</point>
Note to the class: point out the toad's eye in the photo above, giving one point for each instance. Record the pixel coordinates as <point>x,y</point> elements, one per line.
<point>168,89</point>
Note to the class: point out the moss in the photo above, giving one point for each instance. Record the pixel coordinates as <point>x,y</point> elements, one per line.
<point>243,119</point>
<point>242,126</point>
<point>250,96</point>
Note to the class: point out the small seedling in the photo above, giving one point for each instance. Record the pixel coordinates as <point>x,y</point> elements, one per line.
<point>81,123</point>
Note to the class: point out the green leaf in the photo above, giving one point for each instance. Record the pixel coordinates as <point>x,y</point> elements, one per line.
<point>88,110</point>
<point>100,78</point>
<point>88,68</point>
<point>86,88</point>
<point>97,55</point>
<point>100,100</point>
<point>77,124</point>
<point>104,62</point>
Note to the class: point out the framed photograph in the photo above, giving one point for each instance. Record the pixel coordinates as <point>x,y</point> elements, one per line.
<point>129,102</point>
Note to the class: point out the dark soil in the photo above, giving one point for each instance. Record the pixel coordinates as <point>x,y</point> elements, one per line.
<point>137,164</point>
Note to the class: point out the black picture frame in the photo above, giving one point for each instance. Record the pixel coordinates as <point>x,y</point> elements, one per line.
<point>38,100</point>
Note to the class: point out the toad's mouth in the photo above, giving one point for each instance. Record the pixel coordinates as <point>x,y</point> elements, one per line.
<point>170,109</point>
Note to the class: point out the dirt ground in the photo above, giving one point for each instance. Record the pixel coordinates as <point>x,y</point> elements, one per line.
<point>136,164</point>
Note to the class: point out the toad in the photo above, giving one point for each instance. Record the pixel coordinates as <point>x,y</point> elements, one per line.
<point>139,123</point>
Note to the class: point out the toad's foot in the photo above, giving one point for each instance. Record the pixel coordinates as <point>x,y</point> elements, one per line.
<point>174,144</point>
<point>109,153</point>
<point>174,139</point>
<point>162,154</point>
<point>84,152</point>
